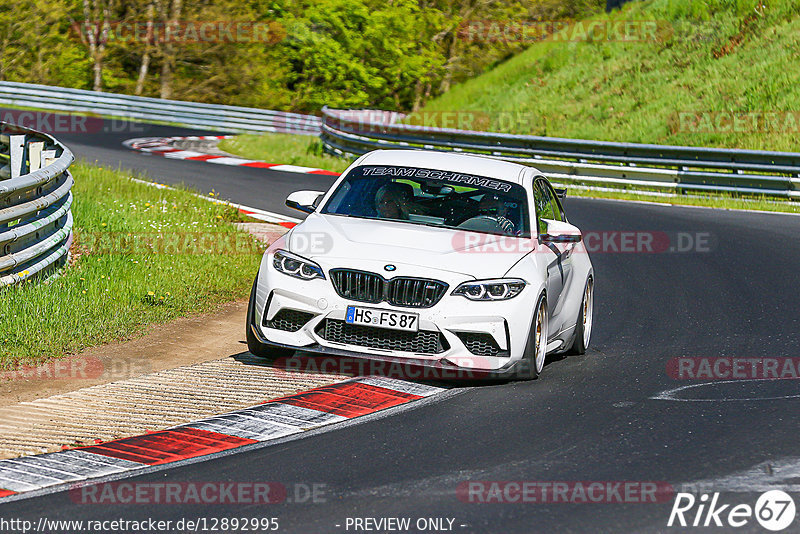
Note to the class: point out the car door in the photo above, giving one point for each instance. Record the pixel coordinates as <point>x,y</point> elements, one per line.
<point>559,255</point>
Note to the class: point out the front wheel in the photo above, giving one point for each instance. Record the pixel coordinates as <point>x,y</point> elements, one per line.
<point>583,326</point>
<point>536,348</point>
<point>255,347</point>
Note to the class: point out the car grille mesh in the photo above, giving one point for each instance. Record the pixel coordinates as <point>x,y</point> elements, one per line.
<point>479,344</point>
<point>357,285</point>
<point>373,288</point>
<point>422,341</point>
<point>288,320</point>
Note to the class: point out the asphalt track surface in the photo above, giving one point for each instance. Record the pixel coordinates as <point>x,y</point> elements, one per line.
<point>588,418</point>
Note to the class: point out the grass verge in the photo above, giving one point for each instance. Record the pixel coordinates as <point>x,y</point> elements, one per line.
<point>284,149</point>
<point>707,62</point>
<point>142,256</point>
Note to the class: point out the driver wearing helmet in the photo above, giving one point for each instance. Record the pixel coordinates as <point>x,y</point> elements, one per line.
<point>494,207</point>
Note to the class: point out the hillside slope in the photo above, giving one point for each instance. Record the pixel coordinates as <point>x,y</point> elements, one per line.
<point>718,73</point>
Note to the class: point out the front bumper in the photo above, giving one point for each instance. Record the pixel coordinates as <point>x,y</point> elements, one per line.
<point>485,337</point>
<point>405,368</point>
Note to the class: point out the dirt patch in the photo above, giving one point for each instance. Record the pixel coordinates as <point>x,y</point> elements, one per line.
<point>181,342</point>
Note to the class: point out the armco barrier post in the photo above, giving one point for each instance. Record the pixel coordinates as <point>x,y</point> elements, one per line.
<point>16,146</point>
<point>35,149</point>
<point>5,157</point>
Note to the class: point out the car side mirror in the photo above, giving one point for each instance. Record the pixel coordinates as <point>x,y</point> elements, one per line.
<point>561,193</point>
<point>305,201</point>
<point>560,232</point>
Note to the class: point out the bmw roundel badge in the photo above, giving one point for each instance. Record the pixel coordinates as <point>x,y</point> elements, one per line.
<point>390,268</point>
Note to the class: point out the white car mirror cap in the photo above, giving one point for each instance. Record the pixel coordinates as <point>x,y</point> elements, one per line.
<point>305,201</point>
<point>560,238</point>
<point>560,232</point>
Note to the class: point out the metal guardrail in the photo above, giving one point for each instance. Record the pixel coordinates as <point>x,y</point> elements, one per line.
<point>193,114</point>
<point>35,201</point>
<point>622,165</point>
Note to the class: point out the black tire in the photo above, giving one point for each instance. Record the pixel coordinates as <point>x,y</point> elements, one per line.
<point>527,369</point>
<point>255,347</point>
<point>579,345</point>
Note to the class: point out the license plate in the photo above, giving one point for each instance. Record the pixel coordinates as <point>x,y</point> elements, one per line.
<point>382,318</point>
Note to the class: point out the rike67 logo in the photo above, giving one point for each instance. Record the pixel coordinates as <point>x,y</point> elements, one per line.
<point>774,510</point>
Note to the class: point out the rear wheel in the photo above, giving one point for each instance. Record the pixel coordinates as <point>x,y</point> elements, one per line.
<point>583,326</point>
<point>255,347</point>
<point>536,348</point>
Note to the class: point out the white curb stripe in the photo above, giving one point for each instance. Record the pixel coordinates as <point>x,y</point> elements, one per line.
<point>289,415</point>
<point>293,168</point>
<point>163,146</point>
<point>183,154</point>
<point>228,161</point>
<point>402,386</point>
<point>241,428</point>
<point>80,464</point>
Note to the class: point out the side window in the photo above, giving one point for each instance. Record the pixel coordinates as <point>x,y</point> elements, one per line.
<point>544,205</point>
<point>557,210</point>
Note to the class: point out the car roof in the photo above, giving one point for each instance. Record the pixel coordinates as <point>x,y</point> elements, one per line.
<point>448,161</point>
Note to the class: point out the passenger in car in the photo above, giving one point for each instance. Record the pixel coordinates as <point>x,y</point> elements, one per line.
<point>392,201</point>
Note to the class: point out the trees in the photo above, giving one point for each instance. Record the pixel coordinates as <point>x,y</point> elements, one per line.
<point>37,45</point>
<point>345,53</point>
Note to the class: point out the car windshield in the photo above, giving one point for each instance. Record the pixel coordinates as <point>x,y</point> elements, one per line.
<point>434,198</point>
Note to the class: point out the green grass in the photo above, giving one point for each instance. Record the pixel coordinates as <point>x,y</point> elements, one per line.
<point>284,149</point>
<point>711,55</point>
<point>116,292</point>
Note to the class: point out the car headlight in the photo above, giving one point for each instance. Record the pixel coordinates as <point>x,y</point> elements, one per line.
<point>296,266</point>
<point>499,289</point>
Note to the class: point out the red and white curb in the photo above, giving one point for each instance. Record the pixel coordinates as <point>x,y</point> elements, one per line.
<point>271,420</point>
<point>163,146</point>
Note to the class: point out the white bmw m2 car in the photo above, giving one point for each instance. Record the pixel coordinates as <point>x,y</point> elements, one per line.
<point>454,261</point>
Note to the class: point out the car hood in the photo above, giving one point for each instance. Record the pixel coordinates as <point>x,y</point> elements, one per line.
<point>332,239</point>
